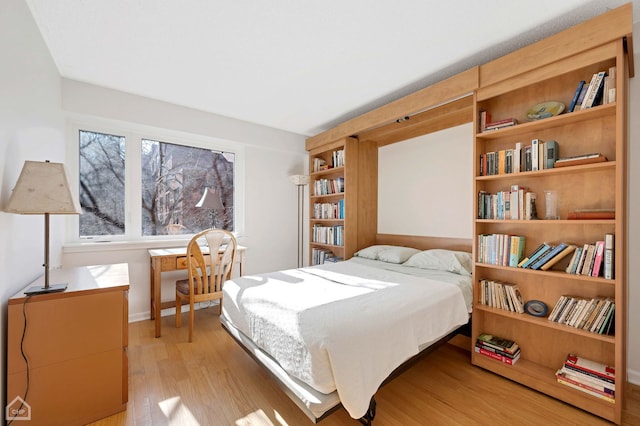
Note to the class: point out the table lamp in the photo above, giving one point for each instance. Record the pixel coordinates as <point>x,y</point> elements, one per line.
<point>43,188</point>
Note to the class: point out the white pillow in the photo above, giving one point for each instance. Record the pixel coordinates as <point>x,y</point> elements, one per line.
<point>371,252</point>
<point>458,262</point>
<point>385,253</point>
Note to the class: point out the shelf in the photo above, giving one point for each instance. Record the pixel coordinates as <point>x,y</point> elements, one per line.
<point>536,222</point>
<point>544,322</point>
<point>543,379</point>
<point>551,172</point>
<point>547,123</point>
<point>556,274</point>
<point>336,195</point>
<point>326,220</point>
<point>328,246</point>
<point>330,171</point>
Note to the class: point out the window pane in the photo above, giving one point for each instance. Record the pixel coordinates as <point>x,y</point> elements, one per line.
<point>174,179</point>
<point>101,184</point>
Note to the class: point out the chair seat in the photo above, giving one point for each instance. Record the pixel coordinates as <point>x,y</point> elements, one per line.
<point>182,286</point>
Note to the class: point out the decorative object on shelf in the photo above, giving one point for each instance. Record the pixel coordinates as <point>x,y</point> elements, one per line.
<point>545,110</point>
<point>43,188</point>
<point>551,205</point>
<point>300,181</point>
<point>211,200</point>
<point>536,308</point>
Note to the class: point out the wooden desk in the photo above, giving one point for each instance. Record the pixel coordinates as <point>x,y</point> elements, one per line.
<point>76,345</point>
<point>173,259</point>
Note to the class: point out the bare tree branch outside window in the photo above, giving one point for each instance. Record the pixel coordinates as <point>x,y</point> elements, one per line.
<point>174,178</point>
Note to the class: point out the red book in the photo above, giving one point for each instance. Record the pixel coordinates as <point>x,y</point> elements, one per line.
<point>597,261</point>
<point>497,356</point>
<point>592,368</point>
<point>591,215</point>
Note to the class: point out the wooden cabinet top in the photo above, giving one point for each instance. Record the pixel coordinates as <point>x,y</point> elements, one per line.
<point>80,280</point>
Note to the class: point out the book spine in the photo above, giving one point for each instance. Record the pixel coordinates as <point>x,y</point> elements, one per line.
<point>493,355</point>
<point>608,256</point>
<point>565,382</point>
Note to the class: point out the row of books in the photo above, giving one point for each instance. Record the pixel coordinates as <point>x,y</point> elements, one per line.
<point>596,315</point>
<point>600,90</point>
<point>329,210</point>
<point>588,376</point>
<point>498,348</point>
<point>593,259</point>
<point>328,186</point>
<point>337,160</point>
<point>516,204</point>
<point>485,123</point>
<point>539,155</point>
<point>501,295</point>
<point>546,255</point>
<point>500,249</point>
<point>333,235</point>
<point>320,256</point>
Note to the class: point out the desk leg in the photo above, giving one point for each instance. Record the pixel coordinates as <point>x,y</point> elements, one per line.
<point>156,285</point>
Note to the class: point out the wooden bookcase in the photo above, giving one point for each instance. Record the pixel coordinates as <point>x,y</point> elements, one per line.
<point>359,172</point>
<point>545,344</point>
<point>346,171</point>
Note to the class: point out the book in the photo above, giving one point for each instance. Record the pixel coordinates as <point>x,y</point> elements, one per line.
<point>594,94</point>
<point>502,358</point>
<point>583,388</point>
<point>495,125</point>
<point>536,255</point>
<point>550,154</point>
<point>591,215</point>
<point>595,383</point>
<point>608,256</point>
<point>498,343</point>
<point>578,269</point>
<point>583,93</point>
<point>549,255</point>
<point>580,159</point>
<point>516,249</point>
<point>588,260</point>
<point>576,95</point>
<point>570,248</point>
<point>597,260</point>
<point>535,151</point>
<point>590,367</point>
<point>576,253</point>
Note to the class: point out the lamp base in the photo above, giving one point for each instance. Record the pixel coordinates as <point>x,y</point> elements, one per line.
<point>55,288</point>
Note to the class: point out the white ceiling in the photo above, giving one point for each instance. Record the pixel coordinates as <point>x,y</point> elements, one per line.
<point>302,66</point>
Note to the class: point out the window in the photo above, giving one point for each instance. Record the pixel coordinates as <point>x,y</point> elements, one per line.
<point>168,188</point>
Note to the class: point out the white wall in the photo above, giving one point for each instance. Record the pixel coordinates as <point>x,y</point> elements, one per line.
<point>31,127</point>
<point>633,233</point>
<point>34,106</point>
<point>424,185</point>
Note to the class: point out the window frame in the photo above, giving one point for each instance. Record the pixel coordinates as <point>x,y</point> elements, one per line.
<point>134,134</point>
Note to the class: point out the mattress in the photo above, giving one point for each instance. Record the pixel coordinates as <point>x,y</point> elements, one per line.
<point>344,327</point>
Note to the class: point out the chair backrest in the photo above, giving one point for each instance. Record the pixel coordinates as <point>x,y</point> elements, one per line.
<point>205,279</point>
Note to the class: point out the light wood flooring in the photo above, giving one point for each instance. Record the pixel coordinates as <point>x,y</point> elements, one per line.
<point>212,381</point>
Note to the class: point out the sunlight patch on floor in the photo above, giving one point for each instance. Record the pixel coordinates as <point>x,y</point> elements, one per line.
<point>177,413</point>
<point>259,418</point>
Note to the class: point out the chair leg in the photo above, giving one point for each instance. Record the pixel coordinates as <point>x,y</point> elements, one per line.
<point>178,312</point>
<point>191,318</point>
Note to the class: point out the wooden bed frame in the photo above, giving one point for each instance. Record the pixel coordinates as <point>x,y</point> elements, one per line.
<point>419,242</point>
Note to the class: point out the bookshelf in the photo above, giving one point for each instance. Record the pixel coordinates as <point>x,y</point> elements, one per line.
<point>333,181</point>
<point>545,344</point>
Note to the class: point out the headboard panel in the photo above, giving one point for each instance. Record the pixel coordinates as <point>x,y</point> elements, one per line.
<point>424,243</point>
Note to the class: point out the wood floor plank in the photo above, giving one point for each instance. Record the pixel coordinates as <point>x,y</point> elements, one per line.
<point>212,381</point>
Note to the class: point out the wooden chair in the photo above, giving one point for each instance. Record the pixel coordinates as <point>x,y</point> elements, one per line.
<point>205,279</point>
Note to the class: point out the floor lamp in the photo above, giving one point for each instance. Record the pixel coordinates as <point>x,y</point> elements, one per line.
<point>43,188</point>
<point>300,181</point>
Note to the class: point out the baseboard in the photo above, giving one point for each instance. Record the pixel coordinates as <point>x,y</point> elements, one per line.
<point>633,377</point>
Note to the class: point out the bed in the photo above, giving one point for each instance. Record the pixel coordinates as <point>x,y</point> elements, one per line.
<point>329,334</point>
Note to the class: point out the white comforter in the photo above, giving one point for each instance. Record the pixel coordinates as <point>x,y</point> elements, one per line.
<point>343,326</point>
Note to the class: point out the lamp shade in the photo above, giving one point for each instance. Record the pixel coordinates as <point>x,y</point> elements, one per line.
<point>42,187</point>
<point>299,179</point>
<point>210,200</point>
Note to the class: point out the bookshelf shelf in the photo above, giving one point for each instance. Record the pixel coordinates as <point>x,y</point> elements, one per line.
<point>327,172</point>
<point>544,322</point>
<point>602,129</point>
<point>335,195</point>
<point>551,122</point>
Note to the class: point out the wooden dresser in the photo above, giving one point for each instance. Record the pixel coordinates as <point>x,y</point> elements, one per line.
<point>76,346</point>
